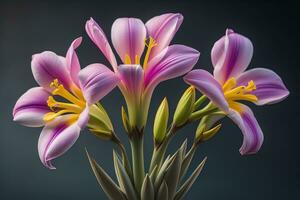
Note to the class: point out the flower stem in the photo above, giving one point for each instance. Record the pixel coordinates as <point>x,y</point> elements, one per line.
<point>137,150</point>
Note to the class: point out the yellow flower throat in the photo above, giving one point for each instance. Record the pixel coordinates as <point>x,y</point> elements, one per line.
<point>239,93</point>
<point>150,43</point>
<point>75,102</point>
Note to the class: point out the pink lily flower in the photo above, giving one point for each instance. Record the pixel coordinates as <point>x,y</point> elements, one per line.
<point>61,78</point>
<point>133,40</point>
<point>230,83</point>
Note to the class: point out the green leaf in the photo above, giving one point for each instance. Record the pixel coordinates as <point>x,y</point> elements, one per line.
<point>153,174</point>
<point>147,191</point>
<point>123,178</point>
<point>161,173</point>
<point>187,161</point>
<point>183,148</point>
<point>189,182</point>
<point>162,193</point>
<point>161,122</point>
<point>109,187</point>
<point>172,175</point>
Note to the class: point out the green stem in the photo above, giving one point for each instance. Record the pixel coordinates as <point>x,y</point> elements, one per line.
<point>210,108</point>
<point>137,149</point>
<point>199,101</point>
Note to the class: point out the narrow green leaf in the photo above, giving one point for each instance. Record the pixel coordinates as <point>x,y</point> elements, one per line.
<point>147,191</point>
<point>123,178</point>
<point>153,174</point>
<point>161,173</point>
<point>112,191</point>
<point>187,161</point>
<point>162,193</point>
<point>183,148</point>
<point>189,182</point>
<point>172,174</point>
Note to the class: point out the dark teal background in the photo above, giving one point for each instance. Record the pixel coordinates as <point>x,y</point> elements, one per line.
<point>34,26</point>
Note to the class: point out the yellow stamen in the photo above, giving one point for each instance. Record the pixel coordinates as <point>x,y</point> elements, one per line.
<point>137,59</point>
<point>152,43</point>
<point>229,84</point>
<point>48,117</point>
<point>77,92</point>
<point>61,91</point>
<point>240,93</point>
<point>127,60</point>
<point>52,103</point>
<point>60,108</point>
<point>236,106</point>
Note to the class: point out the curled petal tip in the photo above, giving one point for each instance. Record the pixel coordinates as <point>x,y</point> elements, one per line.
<point>229,31</point>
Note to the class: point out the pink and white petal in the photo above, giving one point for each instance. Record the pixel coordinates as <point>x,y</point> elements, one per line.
<point>31,107</point>
<point>72,60</point>
<point>269,86</point>
<point>231,55</point>
<point>57,137</point>
<point>172,62</point>
<point>47,66</point>
<point>252,133</point>
<point>128,37</point>
<point>96,81</point>
<point>206,84</point>
<point>97,35</point>
<point>163,28</point>
<point>132,78</point>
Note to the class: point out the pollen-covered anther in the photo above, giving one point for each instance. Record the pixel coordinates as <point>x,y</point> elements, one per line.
<point>51,102</point>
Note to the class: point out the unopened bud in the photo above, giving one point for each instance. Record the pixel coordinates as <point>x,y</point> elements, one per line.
<point>161,121</point>
<point>184,107</point>
<point>99,122</point>
<point>203,135</point>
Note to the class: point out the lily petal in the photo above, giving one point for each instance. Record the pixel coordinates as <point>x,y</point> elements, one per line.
<point>231,55</point>
<point>253,135</point>
<point>128,37</point>
<point>132,77</point>
<point>163,28</point>
<point>31,107</point>
<point>173,61</point>
<point>73,61</point>
<point>206,84</point>
<point>57,137</point>
<point>269,86</point>
<point>96,80</point>
<point>47,66</point>
<point>97,35</point>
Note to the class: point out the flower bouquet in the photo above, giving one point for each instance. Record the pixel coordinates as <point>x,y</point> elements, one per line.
<point>67,101</point>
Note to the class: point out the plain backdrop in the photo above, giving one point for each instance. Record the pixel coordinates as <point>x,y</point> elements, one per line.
<point>33,26</point>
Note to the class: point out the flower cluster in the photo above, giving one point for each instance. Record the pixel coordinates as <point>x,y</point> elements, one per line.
<point>67,100</point>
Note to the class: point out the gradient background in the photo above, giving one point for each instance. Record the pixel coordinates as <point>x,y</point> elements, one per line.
<point>31,27</point>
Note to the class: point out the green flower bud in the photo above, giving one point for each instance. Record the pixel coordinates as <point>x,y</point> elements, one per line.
<point>99,122</point>
<point>161,122</point>
<point>204,132</point>
<point>184,107</point>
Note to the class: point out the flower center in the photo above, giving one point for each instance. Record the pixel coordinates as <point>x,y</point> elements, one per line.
<point>74,104</point>
<point>150,43</point>
<point>239,93</point>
